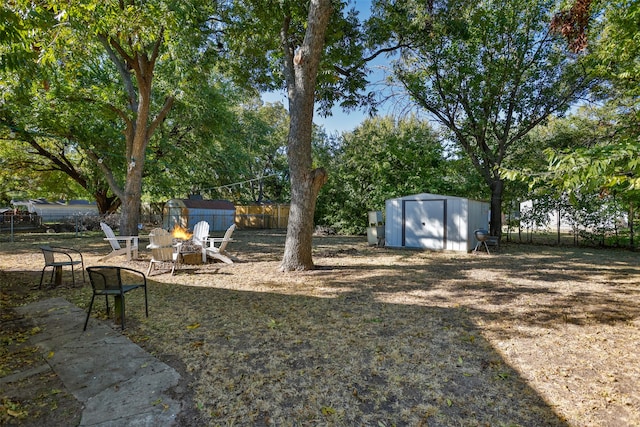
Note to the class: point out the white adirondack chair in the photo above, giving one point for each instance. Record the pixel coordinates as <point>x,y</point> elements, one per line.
<point>130,250</point>
<point>163,250</point>
<point>220,252</point>
<point>201,237</point>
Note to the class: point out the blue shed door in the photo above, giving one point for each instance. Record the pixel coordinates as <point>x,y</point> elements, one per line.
<point>424,224</point>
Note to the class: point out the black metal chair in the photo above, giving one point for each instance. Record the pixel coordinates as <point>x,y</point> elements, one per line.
<point>57,257</point>
<point>110,281</point>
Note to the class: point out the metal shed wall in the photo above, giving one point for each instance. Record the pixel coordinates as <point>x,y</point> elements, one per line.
<point>432,221</point>
<point>220,214</point>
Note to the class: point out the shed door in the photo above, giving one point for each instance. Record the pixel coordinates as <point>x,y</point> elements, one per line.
<point>424,224</point>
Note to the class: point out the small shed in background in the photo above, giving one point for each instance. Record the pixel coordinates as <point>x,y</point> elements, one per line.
<point>220,214</point>
<point>432,221</point>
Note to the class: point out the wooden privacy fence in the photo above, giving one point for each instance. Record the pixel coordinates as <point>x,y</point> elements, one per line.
<point>263,216</point>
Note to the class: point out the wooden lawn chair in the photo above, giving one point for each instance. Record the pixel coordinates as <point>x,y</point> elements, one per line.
<point>130,250</point>
<point>220,253</point>
<point>200,237</point>
<point>163,250</point>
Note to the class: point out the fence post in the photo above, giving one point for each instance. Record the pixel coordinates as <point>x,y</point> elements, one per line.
<point>11,228</point>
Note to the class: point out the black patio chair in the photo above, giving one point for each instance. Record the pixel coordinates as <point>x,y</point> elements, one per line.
<point>57,257</point>
<point>110,281</point>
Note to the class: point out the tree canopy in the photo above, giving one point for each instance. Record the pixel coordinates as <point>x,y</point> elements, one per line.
<point>381,159</point>
<point>109,75</point>
<point>139,101</point>
<point>488,72</point>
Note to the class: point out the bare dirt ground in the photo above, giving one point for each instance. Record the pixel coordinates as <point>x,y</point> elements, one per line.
<point>528,336</point>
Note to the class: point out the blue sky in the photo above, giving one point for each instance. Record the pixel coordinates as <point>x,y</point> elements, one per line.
<point>340,121</point>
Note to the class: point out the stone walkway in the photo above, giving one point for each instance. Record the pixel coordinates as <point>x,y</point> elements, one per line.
<point>118,382</point>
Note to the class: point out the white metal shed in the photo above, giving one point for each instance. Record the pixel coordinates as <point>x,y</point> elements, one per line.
<point>432,221</point>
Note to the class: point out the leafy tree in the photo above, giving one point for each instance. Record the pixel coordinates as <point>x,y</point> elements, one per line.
<point>109,55</point>
<point>381,159</point>
<point>40,155</point>
<point>610,164</point>
<point>263,169</point>
<point>308,48</point>
<point>489,72</point>
<point>612,160</point>
<point>196,149</point>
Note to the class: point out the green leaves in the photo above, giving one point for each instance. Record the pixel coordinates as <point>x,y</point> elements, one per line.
<point>488,72</point>
<point>384,158</point>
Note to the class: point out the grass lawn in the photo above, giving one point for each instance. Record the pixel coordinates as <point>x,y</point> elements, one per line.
<point>526,336</point>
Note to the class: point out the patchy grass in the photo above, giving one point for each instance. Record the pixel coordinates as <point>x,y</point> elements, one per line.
<point>529,336</point>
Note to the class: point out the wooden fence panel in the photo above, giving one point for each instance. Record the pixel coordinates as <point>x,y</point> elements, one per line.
<point>262,216</point>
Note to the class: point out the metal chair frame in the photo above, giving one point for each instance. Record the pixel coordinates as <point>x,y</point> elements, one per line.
<point>58,257</point>
<point>108,281</point>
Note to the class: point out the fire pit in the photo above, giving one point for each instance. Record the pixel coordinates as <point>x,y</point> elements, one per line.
<point>190,254</point>
<point>181,234</point>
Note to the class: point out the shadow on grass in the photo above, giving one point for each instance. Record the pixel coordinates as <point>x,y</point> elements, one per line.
<point>383,345</point>
<point>261,358</point>
<point>347,361</point>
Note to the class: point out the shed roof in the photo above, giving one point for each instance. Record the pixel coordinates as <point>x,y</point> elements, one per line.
<point>203,204</point>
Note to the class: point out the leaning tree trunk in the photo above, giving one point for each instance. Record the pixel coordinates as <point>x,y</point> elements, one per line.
<point>301,70</point>
<point>305,181</point>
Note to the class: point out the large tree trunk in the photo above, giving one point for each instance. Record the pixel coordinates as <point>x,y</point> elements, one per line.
<point>301,70</point>
<point>130,209</point>
<point>136,148</point>
<point>495,221</point>
<point>138,131</point>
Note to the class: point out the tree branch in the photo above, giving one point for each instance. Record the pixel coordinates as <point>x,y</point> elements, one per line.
<point>108,173</point>
<point>122,67</point>
<point>161,115</point>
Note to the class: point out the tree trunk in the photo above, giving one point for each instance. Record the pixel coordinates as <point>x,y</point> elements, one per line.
<point>305,185</point>
<point>495,221</point>
<point>130,210</point>
<point>631,231</point>
<point>138,132</point>
<point>301,70</point>
<point>106,204</point>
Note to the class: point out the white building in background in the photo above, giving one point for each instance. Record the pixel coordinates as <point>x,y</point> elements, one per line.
<point>556,220</point>
<point>55,211</point>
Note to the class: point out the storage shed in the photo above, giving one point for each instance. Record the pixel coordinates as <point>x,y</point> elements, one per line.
<point>432,221</point>
<point>220,214</point>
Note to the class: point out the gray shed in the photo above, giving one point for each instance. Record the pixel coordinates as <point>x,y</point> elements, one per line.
<point>432,221</point>
<point>220,214</point>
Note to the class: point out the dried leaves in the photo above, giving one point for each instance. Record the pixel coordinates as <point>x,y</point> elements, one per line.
<point>573,23</point>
